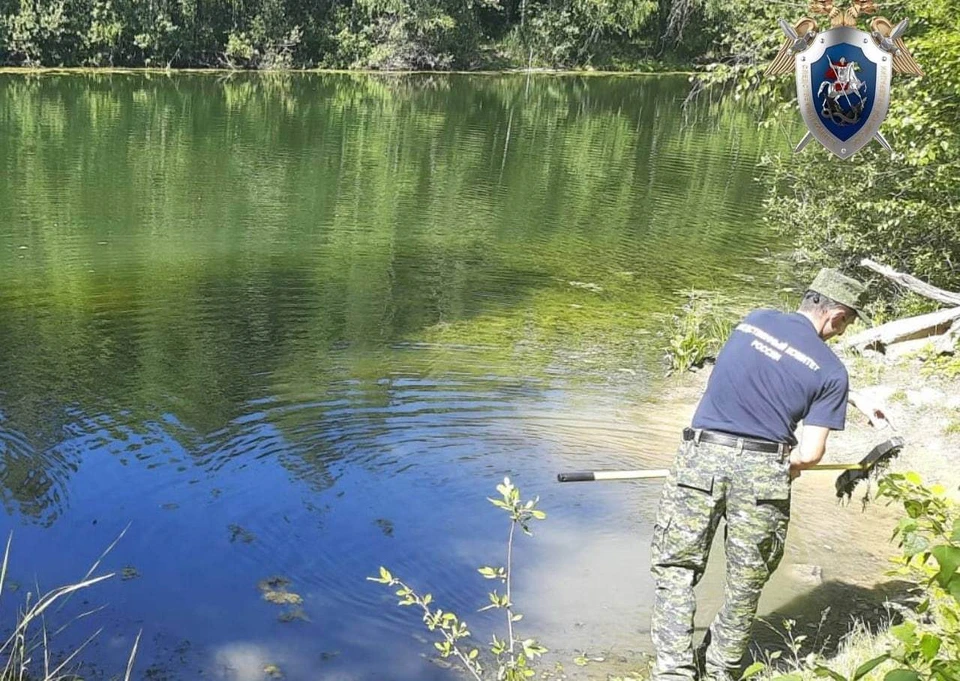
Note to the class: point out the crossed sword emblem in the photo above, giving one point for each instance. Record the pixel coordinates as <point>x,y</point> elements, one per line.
<point>888,38</point>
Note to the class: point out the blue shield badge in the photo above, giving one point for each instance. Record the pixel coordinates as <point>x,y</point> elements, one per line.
<point>843,86</point>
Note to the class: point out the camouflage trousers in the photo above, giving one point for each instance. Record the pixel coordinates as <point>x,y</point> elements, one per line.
<point>708,482</point>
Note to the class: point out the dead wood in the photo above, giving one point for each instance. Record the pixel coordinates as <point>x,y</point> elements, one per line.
<point>921,326</point>
<point>912,283</point>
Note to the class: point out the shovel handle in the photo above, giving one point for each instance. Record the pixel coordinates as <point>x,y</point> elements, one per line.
<point>592,476</point>
<point>596,476</point>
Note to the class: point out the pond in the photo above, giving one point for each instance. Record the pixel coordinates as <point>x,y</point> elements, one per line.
<point>296,327</point>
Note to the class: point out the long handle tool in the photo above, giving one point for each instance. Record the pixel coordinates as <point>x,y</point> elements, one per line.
<point>853,472</point>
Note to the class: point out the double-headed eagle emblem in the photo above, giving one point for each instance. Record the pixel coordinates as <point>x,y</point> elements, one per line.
<point>843,74</point>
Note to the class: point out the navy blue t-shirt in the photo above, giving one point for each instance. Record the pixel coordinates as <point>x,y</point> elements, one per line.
<point>773,372</point>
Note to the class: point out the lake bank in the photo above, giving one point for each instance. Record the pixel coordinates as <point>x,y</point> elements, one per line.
<point>41,70</point>
<point>833,581</point>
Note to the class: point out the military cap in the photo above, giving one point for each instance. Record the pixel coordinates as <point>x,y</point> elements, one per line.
<point>842,289</point>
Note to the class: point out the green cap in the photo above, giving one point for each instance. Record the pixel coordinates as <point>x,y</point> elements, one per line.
<point>842,289</point>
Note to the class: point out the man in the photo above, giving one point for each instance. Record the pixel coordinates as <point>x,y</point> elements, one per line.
<point>738,460</point>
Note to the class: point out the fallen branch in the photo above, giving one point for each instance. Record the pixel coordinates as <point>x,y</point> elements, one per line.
<point>905,329</point>
<point>912,283</point>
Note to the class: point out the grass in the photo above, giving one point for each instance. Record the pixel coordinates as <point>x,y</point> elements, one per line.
<point>859,646</point>
<point>699,330</point>
<point>952,428</point>
<point>26,653</point>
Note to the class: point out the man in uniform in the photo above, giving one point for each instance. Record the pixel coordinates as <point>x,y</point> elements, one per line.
<point>738,460</point>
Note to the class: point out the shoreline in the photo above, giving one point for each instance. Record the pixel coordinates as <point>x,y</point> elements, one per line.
<point>834,584</point>
<point>133,70</point>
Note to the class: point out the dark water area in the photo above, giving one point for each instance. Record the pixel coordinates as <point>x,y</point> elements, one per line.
<point>300,326</point>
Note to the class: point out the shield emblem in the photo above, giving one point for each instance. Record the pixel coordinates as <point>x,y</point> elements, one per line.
<point>843,86</point>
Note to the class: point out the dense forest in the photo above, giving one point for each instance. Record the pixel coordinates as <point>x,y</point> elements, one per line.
<point>902,208</point>
<point>377,34</point>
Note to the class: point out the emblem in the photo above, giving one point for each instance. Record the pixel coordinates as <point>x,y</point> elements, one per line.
<point>843,74</point>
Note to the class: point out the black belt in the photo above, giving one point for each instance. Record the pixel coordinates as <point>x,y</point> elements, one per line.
<point>734,441</point>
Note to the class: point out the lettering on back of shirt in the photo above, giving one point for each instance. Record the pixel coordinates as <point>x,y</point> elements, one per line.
<point>766,349</point>
<point>765,343</point>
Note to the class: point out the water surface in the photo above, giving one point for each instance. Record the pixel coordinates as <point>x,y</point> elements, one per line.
<point>300,326</point>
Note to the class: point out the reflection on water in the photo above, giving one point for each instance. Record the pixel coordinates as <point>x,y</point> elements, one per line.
<point>300,326</point>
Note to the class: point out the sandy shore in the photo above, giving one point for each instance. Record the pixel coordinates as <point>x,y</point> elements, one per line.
<point>834,571</point>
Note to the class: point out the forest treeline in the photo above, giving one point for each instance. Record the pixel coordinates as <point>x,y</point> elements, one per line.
<point>353,34</point>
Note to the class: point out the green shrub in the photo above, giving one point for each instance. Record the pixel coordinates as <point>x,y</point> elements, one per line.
<point>926,646</point>
<point>935,364</point>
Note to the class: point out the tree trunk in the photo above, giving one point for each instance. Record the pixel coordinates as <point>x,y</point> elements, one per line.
<point>912,283</point>
<point>905,329</point>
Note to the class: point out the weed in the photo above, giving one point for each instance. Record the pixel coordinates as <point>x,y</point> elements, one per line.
<point>512,655</point>
<point>26,652</point>
<point>698,332</point>
<point>926,646</point>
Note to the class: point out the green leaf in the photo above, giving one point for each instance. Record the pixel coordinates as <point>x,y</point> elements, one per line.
<point>753,670</point>
<point>906,632</point>
<point>902,675</point>
<point>949,559</point>
<point>930,646</point>
<point>823,671</point>
<point>946,670</point>
<point>913,508</point>
<point>956,531</point>
<point>869,666</point>
<point>954,587</point>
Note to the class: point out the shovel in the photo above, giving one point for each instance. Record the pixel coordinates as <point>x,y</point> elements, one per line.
<point>853,472</point>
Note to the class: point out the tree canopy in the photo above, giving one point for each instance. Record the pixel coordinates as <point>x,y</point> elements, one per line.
<point>380,34</point>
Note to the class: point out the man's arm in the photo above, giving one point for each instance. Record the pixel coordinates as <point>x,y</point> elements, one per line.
<point>812,446</point>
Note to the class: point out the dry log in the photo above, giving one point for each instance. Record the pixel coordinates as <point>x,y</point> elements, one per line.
<point>905,329</point>
<point>947,343</point>
<point>910,282</point>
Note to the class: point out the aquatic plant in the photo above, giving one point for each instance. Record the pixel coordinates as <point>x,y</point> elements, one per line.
<point>699,330</point>
<point>26,652</point>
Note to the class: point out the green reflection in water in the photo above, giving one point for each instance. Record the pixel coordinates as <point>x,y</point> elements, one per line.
<point>195,246</point>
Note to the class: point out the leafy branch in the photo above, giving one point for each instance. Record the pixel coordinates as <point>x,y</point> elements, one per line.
<point>512,655</point>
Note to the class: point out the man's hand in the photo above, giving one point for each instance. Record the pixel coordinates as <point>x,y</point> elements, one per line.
<point>874,410</point>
